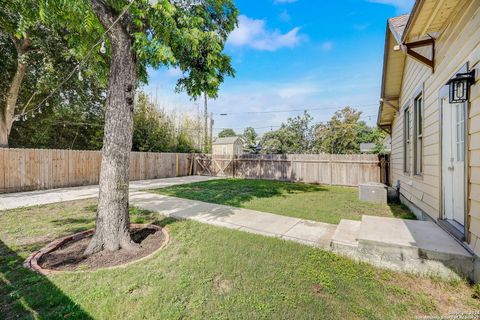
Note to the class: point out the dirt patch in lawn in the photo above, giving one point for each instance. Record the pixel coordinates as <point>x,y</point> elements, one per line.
<point>67,254</point>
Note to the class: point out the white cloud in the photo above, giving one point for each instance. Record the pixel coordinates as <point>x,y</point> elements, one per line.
<point>253,33</point>
<point>326,46</point>
<point>400,5</point>
<point>297,90</point>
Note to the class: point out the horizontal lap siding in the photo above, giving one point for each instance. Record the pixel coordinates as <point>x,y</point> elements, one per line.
<point>457,45</point>
<point>474,156</point>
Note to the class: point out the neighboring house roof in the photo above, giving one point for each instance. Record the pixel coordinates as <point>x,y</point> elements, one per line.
<point>226,140</point>
<point>428,18</point>
<point>367,147</point>
<point>370,147</point>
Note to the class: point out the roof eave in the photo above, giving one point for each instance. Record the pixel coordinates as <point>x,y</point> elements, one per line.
<point>384,72</point>
<point>413,16</point>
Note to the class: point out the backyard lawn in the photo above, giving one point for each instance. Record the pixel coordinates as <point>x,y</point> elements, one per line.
<point>327,204</point>
<point>207,272</point>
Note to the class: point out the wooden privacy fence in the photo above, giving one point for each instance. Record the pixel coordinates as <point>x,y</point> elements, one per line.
<point>343,170</point>
<point>35,169</point>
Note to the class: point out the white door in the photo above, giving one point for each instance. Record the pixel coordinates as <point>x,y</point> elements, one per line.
<point>453,162</point>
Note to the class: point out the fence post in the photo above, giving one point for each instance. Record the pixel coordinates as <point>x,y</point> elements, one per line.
<point>176,164</point>
<point>291,170</point>
<point>331,169</point>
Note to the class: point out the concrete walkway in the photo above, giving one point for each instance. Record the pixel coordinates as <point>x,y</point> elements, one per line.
<point>268,224</point>
<point>40,197</point>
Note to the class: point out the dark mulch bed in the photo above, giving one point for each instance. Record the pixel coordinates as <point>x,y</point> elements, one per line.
<point>69,256</point>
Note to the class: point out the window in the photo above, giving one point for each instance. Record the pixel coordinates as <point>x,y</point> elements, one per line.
<point>406,140</point>
<point>418,135</point>
<point>460,134</point>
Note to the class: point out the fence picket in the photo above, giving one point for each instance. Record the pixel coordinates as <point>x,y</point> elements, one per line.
<point>36,169</point>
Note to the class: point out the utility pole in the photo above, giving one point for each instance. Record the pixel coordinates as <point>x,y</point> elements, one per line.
<point>205,146</point>
<point>211,131</point>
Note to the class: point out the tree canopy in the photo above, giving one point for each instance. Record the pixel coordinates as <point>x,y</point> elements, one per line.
<point>294,136</point>
<point>250,138</point>
<point>342,134</point>
<point>157,131</point>
<point>227,133</point>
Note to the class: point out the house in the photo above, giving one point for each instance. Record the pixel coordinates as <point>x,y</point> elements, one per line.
<point>228,146</point>
<point>372,147</point>
<point>435,158</point>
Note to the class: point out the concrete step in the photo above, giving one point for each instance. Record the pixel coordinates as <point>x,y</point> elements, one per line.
<point>347,232</point>
<point>344,238</point>
<point>413,246</point>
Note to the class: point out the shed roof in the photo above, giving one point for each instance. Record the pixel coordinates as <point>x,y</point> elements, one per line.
<point>226,140</point>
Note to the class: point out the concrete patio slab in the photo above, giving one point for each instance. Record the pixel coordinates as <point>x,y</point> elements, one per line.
<point>424,235</point>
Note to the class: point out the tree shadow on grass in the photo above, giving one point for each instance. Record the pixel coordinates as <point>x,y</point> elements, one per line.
<point>235,192</point>
<point>27,294</point>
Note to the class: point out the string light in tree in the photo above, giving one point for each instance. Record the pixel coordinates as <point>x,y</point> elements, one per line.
<point>103,50</point>
<point>80,77</point>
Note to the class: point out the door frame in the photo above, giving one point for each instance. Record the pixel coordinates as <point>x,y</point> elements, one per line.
<point>443,93</point>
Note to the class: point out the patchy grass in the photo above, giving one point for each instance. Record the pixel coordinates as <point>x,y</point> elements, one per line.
<point>207,273</point>
<point>306,201</point>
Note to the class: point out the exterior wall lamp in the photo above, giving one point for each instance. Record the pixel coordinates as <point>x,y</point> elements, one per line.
<point>459,87</point>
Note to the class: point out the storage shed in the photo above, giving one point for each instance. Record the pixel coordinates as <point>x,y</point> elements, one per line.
<point>228,146</point>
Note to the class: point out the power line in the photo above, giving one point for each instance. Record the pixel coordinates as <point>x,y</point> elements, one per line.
<point>326,107</point>
<point>278,126</point>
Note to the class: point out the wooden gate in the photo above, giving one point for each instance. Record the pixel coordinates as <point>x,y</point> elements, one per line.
<point>215,165</point>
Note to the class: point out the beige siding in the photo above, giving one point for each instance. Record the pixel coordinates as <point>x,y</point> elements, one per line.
<point>457,45</point>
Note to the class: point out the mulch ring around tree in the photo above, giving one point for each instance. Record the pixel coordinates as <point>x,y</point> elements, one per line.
<point>66,254</point>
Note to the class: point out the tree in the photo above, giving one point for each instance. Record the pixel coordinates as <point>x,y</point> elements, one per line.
<point>250,140</point>
<point>227,133</point>
<point>295,136</point>
<point>155,130</point>
<point>344,132</point>
<point>143,34</point>
<point>34,59</point>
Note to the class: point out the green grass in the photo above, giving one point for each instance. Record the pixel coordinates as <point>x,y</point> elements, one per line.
<point>306,201</point>
<point>207,273</point>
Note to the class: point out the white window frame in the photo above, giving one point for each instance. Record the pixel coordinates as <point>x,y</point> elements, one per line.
<point>418,131</point>
<point>406,139</point>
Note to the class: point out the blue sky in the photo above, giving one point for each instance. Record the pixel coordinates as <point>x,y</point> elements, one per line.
<point>295,55</point>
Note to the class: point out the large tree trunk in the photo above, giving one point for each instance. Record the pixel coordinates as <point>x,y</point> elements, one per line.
<point>112,223</point>
<point>7,112</point>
